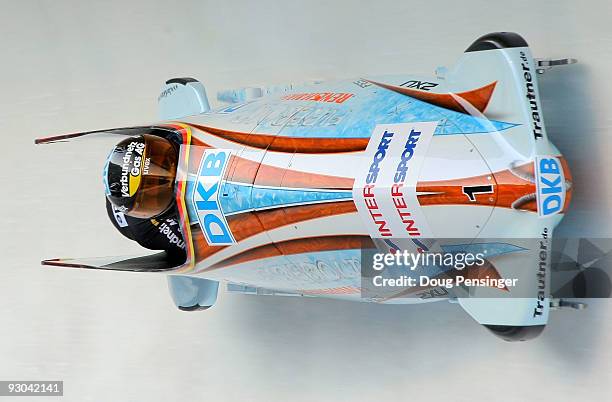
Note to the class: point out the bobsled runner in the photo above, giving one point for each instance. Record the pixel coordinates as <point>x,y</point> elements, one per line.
<point>281,191</point>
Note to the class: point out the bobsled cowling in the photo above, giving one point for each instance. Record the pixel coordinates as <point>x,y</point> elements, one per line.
<point>271,191</point>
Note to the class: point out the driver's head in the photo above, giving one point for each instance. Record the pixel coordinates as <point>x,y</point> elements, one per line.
<point>139,175</point>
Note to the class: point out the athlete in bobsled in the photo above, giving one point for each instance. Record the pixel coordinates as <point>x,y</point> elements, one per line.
<point>139,179</point>
<point>280,191</point>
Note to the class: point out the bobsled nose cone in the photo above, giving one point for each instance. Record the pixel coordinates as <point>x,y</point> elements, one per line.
<point>516,333</point>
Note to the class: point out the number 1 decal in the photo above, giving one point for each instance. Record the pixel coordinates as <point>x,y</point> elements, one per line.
<point>471,191</point>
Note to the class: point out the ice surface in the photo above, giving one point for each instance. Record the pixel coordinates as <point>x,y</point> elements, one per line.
<point>69,66</point>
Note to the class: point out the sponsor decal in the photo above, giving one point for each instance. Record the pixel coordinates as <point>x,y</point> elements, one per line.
<point>331,97</point>
<point>315,271</point>
<point>169,228</point>
<point>119,217</point>
<point>131,168</point>
<point>290,116</point>
<point>432,293</point>
<point>369,197</point>
<point>532,98</point>
<point>541,274</point>
<point>362,83</point>
<point>399,179</point>
<point>167,92</point>
<point>205,197</point>
<point>550,183</point>
<point>422,85</point>
<point>385,186</point>
<point>147,163</point>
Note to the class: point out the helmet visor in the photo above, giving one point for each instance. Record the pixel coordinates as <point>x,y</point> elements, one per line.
<point>140,175</point>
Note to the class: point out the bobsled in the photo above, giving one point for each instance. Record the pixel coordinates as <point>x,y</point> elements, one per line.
<point>283,190</point>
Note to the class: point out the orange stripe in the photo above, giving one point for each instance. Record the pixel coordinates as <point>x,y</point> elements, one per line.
<point>479,97</point>
<point>275,218</point>
<point>289,144</point>
<point>568,178</point>
<point>451,192</point>
<point>247,171</point>
<point>511,188</point>
<point>331,291</point>
<point>249,224</point>
<point>298,246</point>
<point>507,188</point>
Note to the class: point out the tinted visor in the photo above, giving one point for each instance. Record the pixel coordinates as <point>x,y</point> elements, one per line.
<point>140,174</point>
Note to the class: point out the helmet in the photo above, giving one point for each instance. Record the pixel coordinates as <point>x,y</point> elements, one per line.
<point>139,175</point>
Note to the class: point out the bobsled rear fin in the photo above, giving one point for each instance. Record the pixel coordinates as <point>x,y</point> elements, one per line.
<point>504,58</point>
<point>159,262</point>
